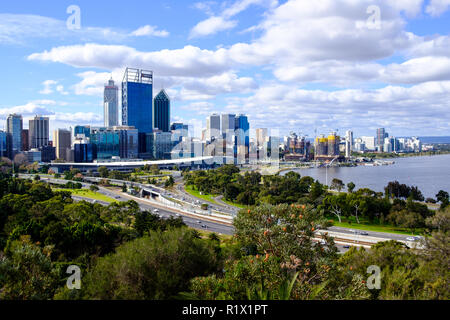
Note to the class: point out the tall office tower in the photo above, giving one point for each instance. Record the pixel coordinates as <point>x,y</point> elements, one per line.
<point>381,134</point>
<point>242,134</point>
<point>38,132</point>
<point>3,148</point>
<point>14,127</point>
<point>25,142</point>
<point>261,136</point>
<point>212,127</point>
<point>111,104</point>
<point>62,141</point>
<point>348,143</point>
<point>228,123</point>
<point>137,102</point>
<point>161,112</point>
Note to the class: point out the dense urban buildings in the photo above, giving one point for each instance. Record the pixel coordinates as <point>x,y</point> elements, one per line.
<point>111,104</point>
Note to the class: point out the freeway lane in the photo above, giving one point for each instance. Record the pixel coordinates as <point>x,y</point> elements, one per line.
<point>197,222</point>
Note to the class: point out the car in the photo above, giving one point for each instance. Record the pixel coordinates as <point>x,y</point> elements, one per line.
<point>178,215</point>
<point>346,246</point>
<point>155,210</point>
<point>117,197</point>
<point>199,222</point>
<point>204,226</point>
<point>411,238</point>
<point>364,233</point>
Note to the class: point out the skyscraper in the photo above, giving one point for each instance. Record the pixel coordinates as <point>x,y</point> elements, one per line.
<point>111,103</point>
<point>381,134</point>
<point>348,143</point>
<point>242,134</point>
<point>62,141</point>
<point>137,99</point>
<point>25,143</point>
<point>261,136</point>
<point>228,123</point>
<point>161,112</point>
<point>14,126</point>
<point>38,132</point>
<point>212,127</point>
<point>3,149</point>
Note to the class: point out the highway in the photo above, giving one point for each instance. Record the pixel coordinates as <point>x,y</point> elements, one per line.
<point>207,222</point>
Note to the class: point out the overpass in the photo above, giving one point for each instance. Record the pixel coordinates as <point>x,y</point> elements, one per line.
<point>196,162</point>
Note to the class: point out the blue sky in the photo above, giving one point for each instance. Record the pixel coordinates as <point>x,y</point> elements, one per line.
<point>294,65</point>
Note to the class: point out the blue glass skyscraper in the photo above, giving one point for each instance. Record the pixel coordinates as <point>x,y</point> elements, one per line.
<point>137,98</point>
<point>242,136</point>
<point>161,112</point>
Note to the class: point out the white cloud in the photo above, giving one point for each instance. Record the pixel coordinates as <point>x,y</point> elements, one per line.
<point>18,29</point>
<point>211,26</point>
<point>217,23</point>
<point>437,7</point>
<point>148,30</point>
<point>48,86</point>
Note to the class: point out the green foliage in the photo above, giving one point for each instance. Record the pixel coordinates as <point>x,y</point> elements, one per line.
<point>155,267</point>
<point>26,272</point>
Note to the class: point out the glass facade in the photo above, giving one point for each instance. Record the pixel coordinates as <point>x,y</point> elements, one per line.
<point>3,148</point>
<point>84,152</point>
<point>107,143</point>
<point>242,136</point>
<point>137,99</point>
<point>14,126</point>
<point>128,142</point>
<point>82,130</point>
<point>161,112</point>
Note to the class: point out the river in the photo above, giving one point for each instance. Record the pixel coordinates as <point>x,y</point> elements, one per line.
<point>429,173</point>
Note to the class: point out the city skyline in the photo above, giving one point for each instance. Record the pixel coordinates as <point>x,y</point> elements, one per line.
<point>398,79</point>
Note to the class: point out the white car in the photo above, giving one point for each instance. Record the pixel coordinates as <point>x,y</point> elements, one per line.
<point>155,210</point>
<point>411,239</point>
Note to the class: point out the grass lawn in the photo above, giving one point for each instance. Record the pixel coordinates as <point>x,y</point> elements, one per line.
<point>195,193</point>
<point>365,225</point>
<point>206,233</point>
<point>234,204</point>
<point>88,194</point>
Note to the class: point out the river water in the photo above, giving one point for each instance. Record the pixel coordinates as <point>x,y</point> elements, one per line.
<point>429,173</point>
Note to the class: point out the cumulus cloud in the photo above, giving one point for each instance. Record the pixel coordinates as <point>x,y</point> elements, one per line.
<point>437,7</point>
<point>148,30</point>
<point>218,23</point>
<point>19,28</point>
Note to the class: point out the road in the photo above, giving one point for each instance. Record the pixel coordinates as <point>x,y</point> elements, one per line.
<point>201,222</point>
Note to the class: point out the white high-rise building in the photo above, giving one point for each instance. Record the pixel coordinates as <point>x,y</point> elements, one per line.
<point>212,127</point>
<point>369,142</point>
<point>110,104</point>
<point>348,143</point>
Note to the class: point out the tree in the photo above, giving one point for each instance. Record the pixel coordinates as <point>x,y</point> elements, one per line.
<point>154,169</point>
<point>169,182</point>
<point>158,266</point>
<point>350,187</point>
<point>27,273</point>
<point>443,197</point>
<point>93,188</point>
<point>337,184</point>
<point>124,187</point>
<point>103,171</point>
